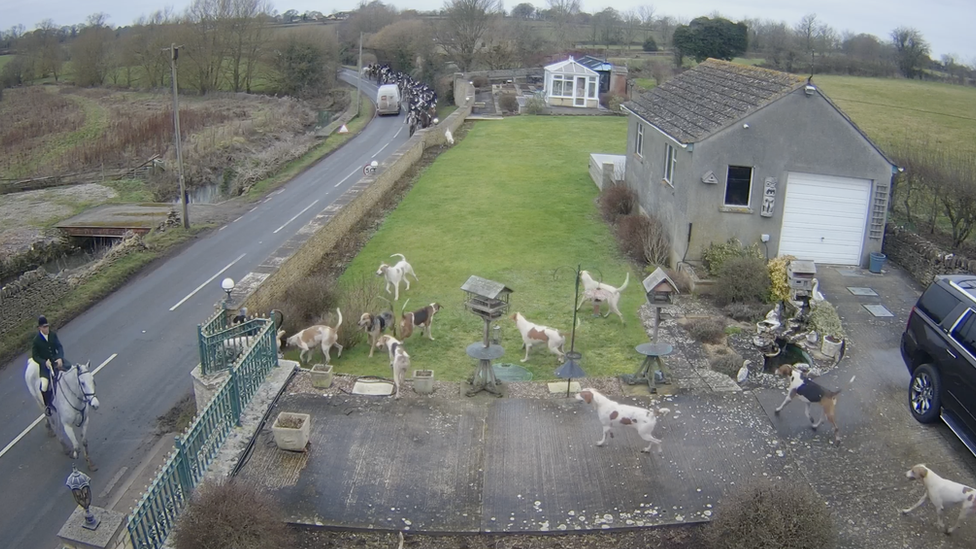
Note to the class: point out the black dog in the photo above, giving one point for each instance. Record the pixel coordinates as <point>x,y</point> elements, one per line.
<point>375,325</point>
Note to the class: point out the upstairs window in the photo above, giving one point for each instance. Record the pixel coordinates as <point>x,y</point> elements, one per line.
<point>738,186</point>
<point>670,161</point>
<point>640,140</point>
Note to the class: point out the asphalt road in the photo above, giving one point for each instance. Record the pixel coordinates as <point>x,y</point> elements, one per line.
<point>143,339</point>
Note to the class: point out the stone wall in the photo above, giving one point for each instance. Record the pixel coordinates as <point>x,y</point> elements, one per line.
<point>29,296</point>
<point>263,288</point>
<point>921,258</point>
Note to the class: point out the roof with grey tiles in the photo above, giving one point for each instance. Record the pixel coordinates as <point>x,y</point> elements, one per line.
<point>711,96</point>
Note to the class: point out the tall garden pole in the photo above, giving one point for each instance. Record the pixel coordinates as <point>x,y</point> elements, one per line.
<point>359,88</point>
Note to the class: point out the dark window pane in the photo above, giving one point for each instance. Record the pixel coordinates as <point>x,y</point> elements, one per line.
<point>965,332</point>
<point>738,185</point>
<point>937,303</point>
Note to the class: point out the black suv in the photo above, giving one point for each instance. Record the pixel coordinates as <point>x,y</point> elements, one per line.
<point>939,348</point>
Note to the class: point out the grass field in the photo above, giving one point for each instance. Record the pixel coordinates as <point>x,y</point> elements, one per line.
<point>645,83</point>
<point>4,59</point>
<point>894,110</point>
<point>513,202</point>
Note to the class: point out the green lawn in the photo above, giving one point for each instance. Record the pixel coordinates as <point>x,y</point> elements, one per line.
<point>4,59</point>
<point>512,202</point>
<point>645,83</point>
<point>896,110</point>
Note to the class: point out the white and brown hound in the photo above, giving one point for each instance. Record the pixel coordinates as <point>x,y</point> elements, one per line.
<point>421,318</point>
<point>375,325</point>
<point>940,492</point>
<point>599,292</point>
<point>533,334</point>
<point>324,336</point>
<point>613,414</point>
<point>394,274</point>
<point>809,392</point>
<point>399,360</point>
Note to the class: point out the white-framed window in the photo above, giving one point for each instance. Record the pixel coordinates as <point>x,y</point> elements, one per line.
<point>557,86</point>
<point>670,161</point>
<point>639,149</point>
<point>738,186</point>
<point>592,91</point>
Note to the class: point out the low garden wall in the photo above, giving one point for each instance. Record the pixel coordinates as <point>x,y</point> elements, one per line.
<point>921,258</point>
<point>263,288</point>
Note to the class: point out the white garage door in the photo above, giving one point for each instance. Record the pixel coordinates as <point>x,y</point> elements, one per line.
<point>824,218</point>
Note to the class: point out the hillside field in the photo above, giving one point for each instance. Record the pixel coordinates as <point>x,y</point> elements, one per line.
<point>896,110</point>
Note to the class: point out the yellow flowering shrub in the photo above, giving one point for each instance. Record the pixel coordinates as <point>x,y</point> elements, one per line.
<point>780,289</point>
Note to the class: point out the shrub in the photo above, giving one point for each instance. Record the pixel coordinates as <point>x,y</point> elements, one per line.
<point>617,200</point>
<point>359,296</point>
<point>747,312</point>
<point>644,239</point>
<point>742,280</point>
<point>706,330</point>
<point>716,254</point>
<point>480,81</point>
<point>232,514</point>
<point>779,289</point>
<point>650,44</point>
<point>508,103</point>
<point>680,278</point>
<point>726,363</point>
<point>765,515</point>
<point>535,105</point>
<point>826,321</point>
<point>611,101</point>
<point>308,302</point>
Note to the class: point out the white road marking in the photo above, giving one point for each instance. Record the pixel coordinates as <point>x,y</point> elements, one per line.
<point>111,483</point>
<point>346,177</point>
<point>295,217</point>
<point>279,191</point>
<point>41,417</point>
<point>249,211</point>
<point>239,218</point>
<point>381,150</point>
<point>267,199</point>
<point>398,131</point>
<point>209,280</point>
<point>222,228</point>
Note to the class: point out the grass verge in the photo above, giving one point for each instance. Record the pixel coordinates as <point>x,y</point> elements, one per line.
<point>514,204</point>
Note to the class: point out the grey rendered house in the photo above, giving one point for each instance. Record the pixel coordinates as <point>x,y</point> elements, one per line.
<point>727,150</point>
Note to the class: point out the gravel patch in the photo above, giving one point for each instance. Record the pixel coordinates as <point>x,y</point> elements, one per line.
<point>20,212</point>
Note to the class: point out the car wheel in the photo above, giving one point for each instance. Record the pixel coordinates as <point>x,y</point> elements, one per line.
<point>925,394</point>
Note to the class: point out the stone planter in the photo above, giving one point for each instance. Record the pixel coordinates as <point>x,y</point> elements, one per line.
<point>831,346</point>
<point>423,381</point>
<point>291,431</point>
<point>321,376</point>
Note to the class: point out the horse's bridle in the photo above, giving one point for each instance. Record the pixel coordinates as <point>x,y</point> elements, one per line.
<point>86,397</point>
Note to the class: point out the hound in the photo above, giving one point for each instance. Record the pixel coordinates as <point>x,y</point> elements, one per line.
<point>810,392</point>
<point>395,274</point>
<point>399,360</point>
<point>421,318</point>
<point>324,336</point>
<point>599,292</point>
<point>375,325</point>
<point>533,334</point>
<point>941,492</point>
<point>612,414</point>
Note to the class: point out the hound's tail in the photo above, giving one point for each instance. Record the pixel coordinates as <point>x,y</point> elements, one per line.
<point>401,256</point>
<point>340,319</point>
<point>404,308</point>
<point>624,285</point>
<point>838,391</point>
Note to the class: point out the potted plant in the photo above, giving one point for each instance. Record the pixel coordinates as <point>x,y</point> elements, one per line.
<point>321,376</point>
<point>291,431</point>
<point>831,345</point>
<point>423,381</point>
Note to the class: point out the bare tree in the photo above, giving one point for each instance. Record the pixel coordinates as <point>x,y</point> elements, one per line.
<point>150,35</point>
<point>49,54</point>
<point>399,43</point>
<point>646,14</point>
<point>564,14</point>
<point>206,42</point>
<point>465,24</point>
<point>90,51</point>
<point>245,30</point>
<point>911,49</point>
<point>666,26</point>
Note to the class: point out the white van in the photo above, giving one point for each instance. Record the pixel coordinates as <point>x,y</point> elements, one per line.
<point>388,99</point>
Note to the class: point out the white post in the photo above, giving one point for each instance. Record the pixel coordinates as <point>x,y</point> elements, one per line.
<point>174,53</point>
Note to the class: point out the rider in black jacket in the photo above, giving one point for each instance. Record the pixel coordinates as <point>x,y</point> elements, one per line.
<point>48,352</point>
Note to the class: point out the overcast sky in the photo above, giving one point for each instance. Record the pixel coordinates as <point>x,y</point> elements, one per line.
<point>945,24</point>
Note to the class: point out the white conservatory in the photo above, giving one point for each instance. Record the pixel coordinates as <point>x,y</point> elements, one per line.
<point>570,84</point>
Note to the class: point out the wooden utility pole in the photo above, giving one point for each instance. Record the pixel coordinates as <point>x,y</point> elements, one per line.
<point>174,53</point>
<point>359,89</point>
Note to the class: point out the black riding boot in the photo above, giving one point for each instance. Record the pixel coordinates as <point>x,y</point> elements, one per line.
<point>48,410</point>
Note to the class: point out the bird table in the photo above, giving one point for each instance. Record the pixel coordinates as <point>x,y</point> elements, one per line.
<point>484,378</point>
<point>648,370</point>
